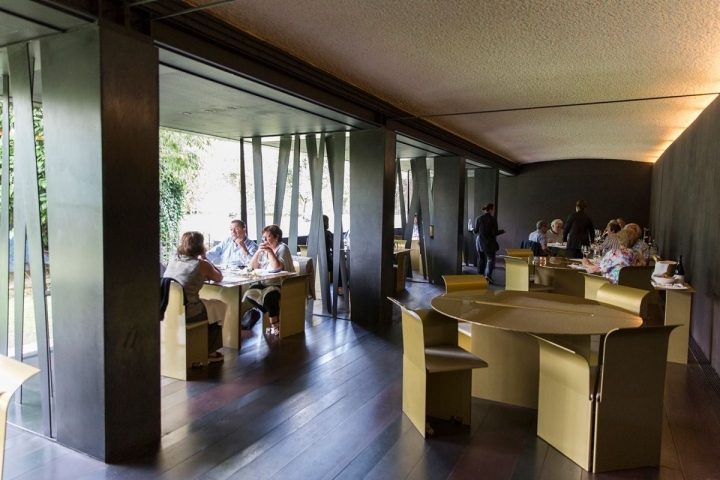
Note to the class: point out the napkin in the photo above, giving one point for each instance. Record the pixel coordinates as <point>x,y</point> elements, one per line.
<point>670,286</point>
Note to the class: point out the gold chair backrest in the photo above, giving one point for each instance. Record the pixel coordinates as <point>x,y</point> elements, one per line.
<point>303,250</point>
<point>413,338</point>
<point>461,283</point>
<point>521,253</point>
<point>593,284</point>
<point>639,277</point>
<point>629,408</point>
<point>517,274</point>
<point>630,299</point>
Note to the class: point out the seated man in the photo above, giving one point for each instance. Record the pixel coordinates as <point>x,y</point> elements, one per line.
<point>555,234</point>
<point>539,236</point>
<point>236,249</point>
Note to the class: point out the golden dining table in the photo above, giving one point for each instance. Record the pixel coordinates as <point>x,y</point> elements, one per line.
<point>501,322</point>
<point>230,290</point>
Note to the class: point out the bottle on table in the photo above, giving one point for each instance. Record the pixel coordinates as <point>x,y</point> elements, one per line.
<point>680,271</point>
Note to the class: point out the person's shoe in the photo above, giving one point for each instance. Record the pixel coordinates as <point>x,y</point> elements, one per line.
<point>490,280</point>
<point>215,357</point>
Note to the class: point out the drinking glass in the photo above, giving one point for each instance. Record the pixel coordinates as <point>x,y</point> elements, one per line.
<point>585,251</point>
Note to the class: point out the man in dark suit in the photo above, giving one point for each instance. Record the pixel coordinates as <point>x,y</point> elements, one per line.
<point>578,231</point>
<point>486,228</point>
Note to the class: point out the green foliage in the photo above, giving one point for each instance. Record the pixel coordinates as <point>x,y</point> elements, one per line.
<point>40,157</point>
<point>179,167</point>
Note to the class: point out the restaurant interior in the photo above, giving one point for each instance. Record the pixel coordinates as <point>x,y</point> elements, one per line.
<point>531,107</point>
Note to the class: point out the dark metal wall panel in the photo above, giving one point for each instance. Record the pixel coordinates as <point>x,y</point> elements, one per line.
<point>243,183</point>
<point>337,159</point>
<point>131,199</point>
<point>372,194</point>
<point>469,246</point>
<point>5,220</point>
<point>549,190</point>
<point>685,201</point>
<point>26,219</point>
<point>259,187</point>
<point>72,115</point>
<point>449,193</point>
<point>316,238</point>
<point>100,92</point>
<point>295,197</point>
<point>420,186</point>
<point>282,171</point>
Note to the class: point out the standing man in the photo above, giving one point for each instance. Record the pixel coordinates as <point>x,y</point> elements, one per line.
<point>236,249</point>
<point>486,228</point>
<point>578,231</point>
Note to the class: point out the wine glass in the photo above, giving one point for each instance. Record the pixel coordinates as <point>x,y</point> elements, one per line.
<point>585,251</point>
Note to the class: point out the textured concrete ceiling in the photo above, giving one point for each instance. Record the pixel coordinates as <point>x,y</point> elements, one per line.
<point>443,57</point>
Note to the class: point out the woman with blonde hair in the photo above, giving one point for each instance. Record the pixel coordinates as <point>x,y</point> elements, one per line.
<point>623,256</point>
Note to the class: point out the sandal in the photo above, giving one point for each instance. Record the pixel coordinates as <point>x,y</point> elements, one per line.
<point>215,357</point>
<point>273,329</point>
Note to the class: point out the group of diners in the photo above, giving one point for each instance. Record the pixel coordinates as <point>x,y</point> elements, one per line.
<point>620,245</point>
<point>193,265</point>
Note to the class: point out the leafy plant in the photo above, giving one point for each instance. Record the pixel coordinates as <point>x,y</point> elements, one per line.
<point>40,158</point>
<point>179,168</point>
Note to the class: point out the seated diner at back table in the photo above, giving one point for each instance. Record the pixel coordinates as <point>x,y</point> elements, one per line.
<point>237,249</point>
<point>272,254</point>
<point>622,256</point>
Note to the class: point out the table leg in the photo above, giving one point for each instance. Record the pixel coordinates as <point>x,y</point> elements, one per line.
<point>513,366</point>
<point>677,312</point>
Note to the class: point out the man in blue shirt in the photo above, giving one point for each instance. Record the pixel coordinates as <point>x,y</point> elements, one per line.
<point>539,235</point>
<point>236,249</point>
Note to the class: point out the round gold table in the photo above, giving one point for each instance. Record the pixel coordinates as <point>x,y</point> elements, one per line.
<point>501,322</point>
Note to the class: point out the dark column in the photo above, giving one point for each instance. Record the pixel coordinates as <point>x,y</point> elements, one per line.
<point>372,202</point>
<point>100,99</point>
<point>449,198</point>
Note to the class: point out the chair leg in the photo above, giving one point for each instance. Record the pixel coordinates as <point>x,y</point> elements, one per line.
<point>449,395</point>
<point>413,399</point>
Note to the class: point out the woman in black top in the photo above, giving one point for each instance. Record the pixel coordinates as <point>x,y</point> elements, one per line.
<point>578,230</point>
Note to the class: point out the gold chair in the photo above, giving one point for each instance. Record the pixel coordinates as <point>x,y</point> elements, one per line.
<point>181,344</point>
<point>608,418</point>
<point>436,372</point>
<point>521,253</point>
<point>303,250</point>
<point>639,277</point>
<point>461,283</point>
<point>631,300</point>
<point>593,284</point>
<point>293,300</point>
<point>12,375</point>
<point>400,271</point>
<point>517,276</point>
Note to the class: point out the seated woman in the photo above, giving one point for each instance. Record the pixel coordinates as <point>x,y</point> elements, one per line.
<point>190,268</point>
<point>272,254</point>
<point>614,260</point>
<point>610,242</point>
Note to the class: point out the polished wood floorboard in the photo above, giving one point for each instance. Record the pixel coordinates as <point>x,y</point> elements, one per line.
<point>327,404</point>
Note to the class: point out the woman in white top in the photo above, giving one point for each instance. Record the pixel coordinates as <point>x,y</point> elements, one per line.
<point>272,254</point>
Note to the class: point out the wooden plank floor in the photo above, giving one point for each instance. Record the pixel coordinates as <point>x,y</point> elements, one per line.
<point>327,404</point>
